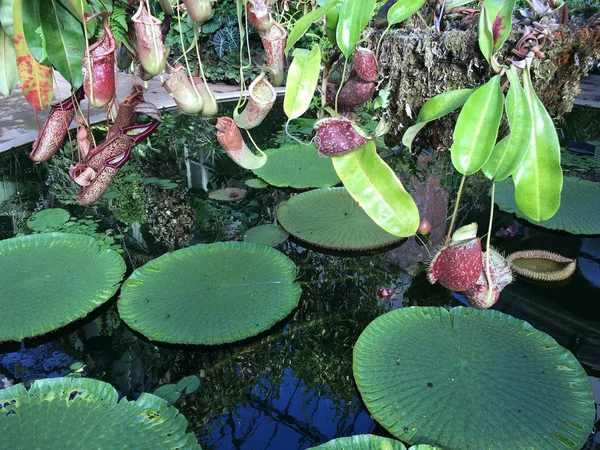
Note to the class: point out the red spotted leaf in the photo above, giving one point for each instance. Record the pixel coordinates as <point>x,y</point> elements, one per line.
<point>36,79</point>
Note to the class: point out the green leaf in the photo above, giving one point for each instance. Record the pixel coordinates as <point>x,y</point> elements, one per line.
<point>377,190</point>
<point>168,392</point>
<point>539,179</point>
<point>484,33</point>
<point>434,108</point>
<point>51,279</point>
<point>306,21</point>
<point>188,385</point>
<point>508,154</point>
<point>65,41</point>
<point>6,17</point>
<point>48,218</point>
<point>302,79</point>
<point>354,16</point>
<point>499,16</point>
<point>9,76</point>
<point>297,166</point>
<point>579,211</point>
<point>402,10</point>
<point>75,413</point>
<point>30,11</point>
<point>231,291</point>
<point>361,442</point>
<point>331,218</point>
<point>477,127</point>
<point>74,7</point>
<point>271,235</point>
<point>497,381</point>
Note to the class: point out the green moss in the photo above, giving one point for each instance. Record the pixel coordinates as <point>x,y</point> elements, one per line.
<point>129,207</point>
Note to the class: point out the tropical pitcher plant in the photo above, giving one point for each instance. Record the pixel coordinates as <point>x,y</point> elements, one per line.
<point>79,44</point>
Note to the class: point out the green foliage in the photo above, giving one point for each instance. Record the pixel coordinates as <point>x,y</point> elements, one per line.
<point>226,41</point>
<point>577,162</point>
<point>173,392</point>
<point>482,359</point>
<point>48,410</point>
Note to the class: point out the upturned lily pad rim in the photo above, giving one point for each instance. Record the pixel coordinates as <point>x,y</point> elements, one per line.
<point>230,194</point>
<point>361,442</point>
<point>67,273</point>
<point>93,404</point>
<point>415,366</point>
<point>231,291</point>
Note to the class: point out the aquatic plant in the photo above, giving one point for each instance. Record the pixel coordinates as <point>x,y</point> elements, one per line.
<point>571,216</point>
<point>362,442</point>
<point>482,359</point>
<point>232,290</point>
<point>297,166</point>
<point>173,391</point>
<point>330,218</point>
<point>48,409</point>
<point>228,194</point>
<point>542,265</point>
<point>68,273</point>
<point>270,235</point>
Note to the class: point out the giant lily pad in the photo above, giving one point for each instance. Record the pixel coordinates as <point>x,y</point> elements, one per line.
<point>297,166</point>
<point>82,413</point>
<point>579,211</point>
<point>467,378</point>
<point>48,218</point>
<point>271,235</point>
<point>49,280</point>
<point>210,294</point>
<point>331,218</point>
<point>362,442</point>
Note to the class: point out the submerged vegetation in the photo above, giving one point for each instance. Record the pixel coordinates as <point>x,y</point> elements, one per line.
<point>147,247</point>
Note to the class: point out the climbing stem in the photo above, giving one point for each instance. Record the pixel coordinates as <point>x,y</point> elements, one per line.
<point>337,94</point>
<point>380,40</point>
<point>460,189</point>
<point>487,243</point>
<point>187,63</point>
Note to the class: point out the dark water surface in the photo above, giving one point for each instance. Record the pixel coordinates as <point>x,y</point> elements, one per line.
<point>292,386</point>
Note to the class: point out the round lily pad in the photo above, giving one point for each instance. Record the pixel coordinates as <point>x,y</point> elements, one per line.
<point>210,294</point>
<point>271,235</point>
<point>48,218</point>
<point>49,280</point>
<point>82,413</point>
<point>579,211</point>
<point>468,378</point>
<point>331,218</point>
<point>256,183</point>
<point>297,166</point>
<point>228,194</point>
<point>362,442</point>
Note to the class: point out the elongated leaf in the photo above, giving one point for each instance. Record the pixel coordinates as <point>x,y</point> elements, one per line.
<point>499,16</point>
<point>353,18</point>
<point>65,41</point>
<point>6,17</point>
<point>434,108</point>
<point>74,7</point>
<point>9,76</point>
<point>36,79</point>
<point>302,79</point>
<point>539,180</point>
<point>377,190</point>
<point>484,33</point>
<point>402,10</point>
<point>32,29</point>
<point>510,151</point>
<point>477,127</point>
<point>306,21</point>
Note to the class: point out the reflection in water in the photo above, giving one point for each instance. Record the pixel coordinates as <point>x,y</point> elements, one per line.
<point>282,413</point>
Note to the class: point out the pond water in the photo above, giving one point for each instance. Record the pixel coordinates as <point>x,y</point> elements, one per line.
<point>292,386</point>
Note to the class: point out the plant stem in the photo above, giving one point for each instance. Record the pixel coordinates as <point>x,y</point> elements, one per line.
<point>187,63</point>
<point>460,189</point>
<point>337,94</point>
<point>379,41</point>
<point>487,244</point>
